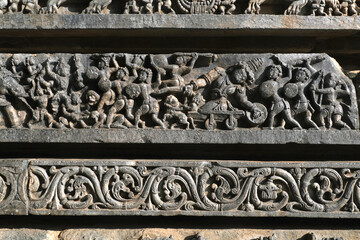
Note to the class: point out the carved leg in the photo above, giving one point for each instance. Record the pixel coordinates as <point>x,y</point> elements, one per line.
<point>295,7</point>
<point>96,6</point>
<point>119,104</point>
<point>290,119</point>
<point>12,116</point>
<point>231,9</point>
<point>352,10</point>
<point>271,119</point>
<point>338,123</point>
<point>222,10</point>
<point>191,120</point>
<point>155,118</point>
<point>309,121</point>
<point>254,6</point>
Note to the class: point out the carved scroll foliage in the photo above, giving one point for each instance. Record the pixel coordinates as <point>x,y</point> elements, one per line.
<point>181,91</point>
<point>208,187</point>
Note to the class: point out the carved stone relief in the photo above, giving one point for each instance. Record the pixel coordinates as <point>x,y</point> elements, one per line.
<point>231,188</point>
<point>176,91</point>
<point>199,188</point>
<point>302,7</point>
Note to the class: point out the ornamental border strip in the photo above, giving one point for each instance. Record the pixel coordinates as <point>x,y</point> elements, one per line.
<point>191,188</point>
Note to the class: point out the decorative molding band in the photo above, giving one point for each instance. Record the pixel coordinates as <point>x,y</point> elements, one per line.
<point>193,188</point>
<point>241,24</point>
<point>197,137</point>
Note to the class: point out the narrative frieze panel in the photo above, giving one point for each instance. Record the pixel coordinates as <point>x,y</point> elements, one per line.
<point>231,188</point>
<point>303,7</point>
<point>190,91</point>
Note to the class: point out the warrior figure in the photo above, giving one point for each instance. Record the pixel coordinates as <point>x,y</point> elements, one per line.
<point>331,111</point>
<point>270,89</point>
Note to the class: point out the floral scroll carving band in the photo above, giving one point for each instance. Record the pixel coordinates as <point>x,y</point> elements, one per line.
<point>205,187</point>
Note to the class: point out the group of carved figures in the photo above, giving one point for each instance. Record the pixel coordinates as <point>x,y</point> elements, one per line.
<point>163,91</point>
<point>314,7</point>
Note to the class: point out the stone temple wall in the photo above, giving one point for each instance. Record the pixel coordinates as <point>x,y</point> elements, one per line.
<point>179,119</point>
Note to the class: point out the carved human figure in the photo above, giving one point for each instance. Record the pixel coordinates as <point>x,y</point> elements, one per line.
<point>60,76</point>
<point>13,6</point>
<point>333,8</point>
<point>131,7</point>
<point>235,82</point>
<point>175,110</point>
<point>184,64</point>
<point>122,80</point>
<point>318,7</point>
<point>164,6</point>
<point>93,117</point>
<point>79,71</point>
<point>270,89</point>
<point>72,111</point>
<point>227,7</point>
<point>149,104</point>
<point>296,90</point>
<point>104,83</point>
<point>97,6</point>
<point>30,6</point>
<point>348,7</point>
<point>330,109</point>
<point>36,73</point>
<point>10,90</point>
<point>41,99</point>
<point>147,6</point>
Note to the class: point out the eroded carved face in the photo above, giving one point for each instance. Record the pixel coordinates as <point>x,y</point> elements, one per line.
<point>121,74</point>
<point>180,61</point>
<point>102,64</point>
<point>301,75</point>
<point>75,99</point>
<point>188,89</point>
<point>239,76</point>
<point>92,97</point>
<point>330,80</point>
<point>143,76</point>
<point>274,72</point>
<point>62,69</point>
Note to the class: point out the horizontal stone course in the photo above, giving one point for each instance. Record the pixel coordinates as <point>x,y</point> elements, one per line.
<point>288,25</point>
<point>244,136</point>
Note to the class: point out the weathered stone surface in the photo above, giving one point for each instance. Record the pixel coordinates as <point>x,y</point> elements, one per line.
<point>208,234</point>
<point>180,25</point>
<point>177,234</point>
<point>179,136</point>
<point>28,234</point>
